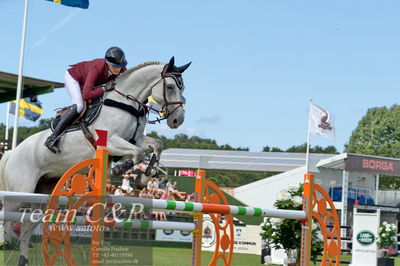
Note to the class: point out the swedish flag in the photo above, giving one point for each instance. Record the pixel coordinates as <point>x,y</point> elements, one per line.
<point>73,3</point>
<point>28,109</point>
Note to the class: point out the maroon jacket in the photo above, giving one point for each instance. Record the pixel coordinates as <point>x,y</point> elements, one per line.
<point>90,74</point>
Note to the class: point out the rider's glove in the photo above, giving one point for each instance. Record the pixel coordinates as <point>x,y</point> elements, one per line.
<point>108,87</point>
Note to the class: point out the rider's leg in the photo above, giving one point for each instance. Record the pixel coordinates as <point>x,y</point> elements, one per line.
<point>74,91</point>
<point>67,118</point>
<point>70,115</point>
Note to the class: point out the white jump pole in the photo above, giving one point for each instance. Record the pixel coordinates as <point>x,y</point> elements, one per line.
<point>81,220</point>
<point>168,205</point>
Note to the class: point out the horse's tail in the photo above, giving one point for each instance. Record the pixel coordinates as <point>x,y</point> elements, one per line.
<point>3,163</point>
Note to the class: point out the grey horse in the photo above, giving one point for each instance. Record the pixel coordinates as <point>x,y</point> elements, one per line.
<point>22,168</point>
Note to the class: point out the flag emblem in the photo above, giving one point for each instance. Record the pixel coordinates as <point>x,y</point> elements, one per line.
<point>321,122</point>
<point>31,110</point>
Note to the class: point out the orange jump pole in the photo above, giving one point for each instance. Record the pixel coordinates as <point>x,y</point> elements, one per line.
<point>91,188</point>
<point>198,218</point>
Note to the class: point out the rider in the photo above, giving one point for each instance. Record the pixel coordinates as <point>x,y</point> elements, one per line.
<point>80,81</point>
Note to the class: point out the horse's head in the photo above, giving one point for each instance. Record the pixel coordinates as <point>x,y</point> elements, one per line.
<point>167,92</point>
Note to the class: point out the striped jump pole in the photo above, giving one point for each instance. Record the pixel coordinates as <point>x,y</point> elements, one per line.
<point>82,220</point>
<point>157,204</point>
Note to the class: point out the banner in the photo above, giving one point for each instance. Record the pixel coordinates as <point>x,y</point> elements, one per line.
<point>186,173</point>
<point>247,239</point>
<point>365,233</point>
<point>173,235</point>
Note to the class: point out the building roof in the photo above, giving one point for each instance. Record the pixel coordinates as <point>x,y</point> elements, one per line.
<point>363,163</point>
<point>237,160</point>
<point>8,86</point>
<point>262,193</point>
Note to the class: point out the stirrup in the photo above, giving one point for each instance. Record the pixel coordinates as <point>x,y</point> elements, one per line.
<point>52,144</point>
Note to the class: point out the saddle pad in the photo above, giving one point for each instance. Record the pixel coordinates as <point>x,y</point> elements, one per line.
<point>91,114</point>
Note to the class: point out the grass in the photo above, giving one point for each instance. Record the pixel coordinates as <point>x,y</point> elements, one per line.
<point>163,256</point>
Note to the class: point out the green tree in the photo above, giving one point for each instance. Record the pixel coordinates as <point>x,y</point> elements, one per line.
<point>273,149</point>
<point>378,133</point>
<point>25,132</point>
<point>303,148</point>
<point>194,142</point>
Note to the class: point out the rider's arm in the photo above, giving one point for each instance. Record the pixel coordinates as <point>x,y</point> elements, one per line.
<point>88,93</point>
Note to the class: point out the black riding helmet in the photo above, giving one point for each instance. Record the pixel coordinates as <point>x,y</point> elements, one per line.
<point>115,57</point>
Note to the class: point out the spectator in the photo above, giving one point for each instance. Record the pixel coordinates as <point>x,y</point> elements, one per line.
<point>2,149</point>
<point>156,183</point>
<point>170,196</point>
<point>175,193</point>
<point>143,194</point>
<point>150,186</point>
<point>125,184</point>
<point>110,189</point>
<point>118,191</point>
<point>164,195</point>
<point>163,182</point>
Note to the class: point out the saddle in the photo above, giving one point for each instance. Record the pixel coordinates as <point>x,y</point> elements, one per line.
<point>90,113</point>
<point>86,117</point>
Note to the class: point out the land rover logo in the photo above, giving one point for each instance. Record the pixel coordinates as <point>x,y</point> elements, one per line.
<point>168,232</point>
<point>365,238</point>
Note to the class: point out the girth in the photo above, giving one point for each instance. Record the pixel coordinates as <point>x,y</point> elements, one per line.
<point>126,107</point>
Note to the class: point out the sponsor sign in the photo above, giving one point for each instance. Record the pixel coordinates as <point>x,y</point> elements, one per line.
<point>247,238</point>
<point>365,238</point>
<point>372,165</point>
<point>365,232</point>
<point>208,234</point>
<point>186,173</point>
<point>173,235</point>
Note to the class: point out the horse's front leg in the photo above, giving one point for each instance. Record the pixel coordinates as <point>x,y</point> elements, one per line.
<point>117,146</point>
<point>155,144</point>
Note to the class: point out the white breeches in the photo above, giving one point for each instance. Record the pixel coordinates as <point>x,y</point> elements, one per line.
<point>74,91</point>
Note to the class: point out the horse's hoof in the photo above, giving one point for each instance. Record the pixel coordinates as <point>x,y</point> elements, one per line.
<point>22,261</point>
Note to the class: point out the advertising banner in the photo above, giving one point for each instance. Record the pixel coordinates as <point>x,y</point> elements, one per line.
<point>173,235</point>
<point>365,233</point>
<point>247,238</point>
<point>375,165</point>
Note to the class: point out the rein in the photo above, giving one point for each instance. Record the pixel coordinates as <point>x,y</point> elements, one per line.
<point>164,74</point>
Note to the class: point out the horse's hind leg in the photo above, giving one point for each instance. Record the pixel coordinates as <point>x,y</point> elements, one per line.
<point>27,229</point>
<point>9,206</point>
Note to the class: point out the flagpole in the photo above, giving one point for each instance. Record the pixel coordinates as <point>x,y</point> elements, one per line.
<point>20,71</point>
<point>7,120</point>
<point>306,229</point>
<point>308,139</point>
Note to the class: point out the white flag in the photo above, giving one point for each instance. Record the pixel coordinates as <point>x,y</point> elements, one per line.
<point>321,122</point>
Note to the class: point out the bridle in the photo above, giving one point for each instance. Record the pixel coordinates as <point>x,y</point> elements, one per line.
<point>164,108</point>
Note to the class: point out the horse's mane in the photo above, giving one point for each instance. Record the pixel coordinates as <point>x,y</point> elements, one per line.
<point>133,69</point>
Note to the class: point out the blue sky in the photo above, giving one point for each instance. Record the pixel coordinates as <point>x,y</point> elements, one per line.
<point>256,64</point>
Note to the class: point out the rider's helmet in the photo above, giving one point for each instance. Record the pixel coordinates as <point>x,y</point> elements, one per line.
<point>115,57</point>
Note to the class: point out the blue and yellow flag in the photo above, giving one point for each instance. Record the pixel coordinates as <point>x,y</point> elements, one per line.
<point>73,3</point>
<point>28,109</point>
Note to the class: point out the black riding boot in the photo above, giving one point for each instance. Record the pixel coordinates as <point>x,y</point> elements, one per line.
<point>119,169</point>
<point>67,118</point>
